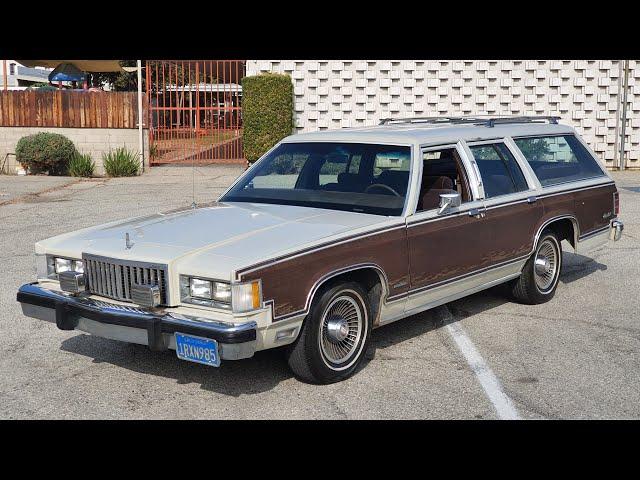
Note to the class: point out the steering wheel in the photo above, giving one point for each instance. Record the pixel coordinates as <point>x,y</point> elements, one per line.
<point>382,185</point>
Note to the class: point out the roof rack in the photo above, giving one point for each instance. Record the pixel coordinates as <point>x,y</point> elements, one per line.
<point>479,120</point>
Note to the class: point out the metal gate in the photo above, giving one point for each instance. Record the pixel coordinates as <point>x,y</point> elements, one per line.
<point>195,112</point>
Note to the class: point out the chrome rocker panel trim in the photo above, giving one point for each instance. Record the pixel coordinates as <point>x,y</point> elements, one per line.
<point>131,324</point>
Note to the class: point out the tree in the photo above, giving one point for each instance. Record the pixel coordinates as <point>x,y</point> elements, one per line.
<point>118,81</point>
<point>166,71</point>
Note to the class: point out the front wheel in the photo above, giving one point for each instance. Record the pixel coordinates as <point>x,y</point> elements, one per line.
<point>334,336</point>
<point>539,277</point>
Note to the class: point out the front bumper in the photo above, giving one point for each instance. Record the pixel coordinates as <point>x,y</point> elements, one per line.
<point>132,324</point>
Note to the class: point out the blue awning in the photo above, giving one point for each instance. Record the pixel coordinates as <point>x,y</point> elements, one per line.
<point>66,72</point>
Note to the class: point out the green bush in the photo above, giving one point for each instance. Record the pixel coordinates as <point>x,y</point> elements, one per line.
<point>153,150</point>
<point>267,112</point>
<point>121,163</point>
<point>45,152</point>
<point>81,165</point>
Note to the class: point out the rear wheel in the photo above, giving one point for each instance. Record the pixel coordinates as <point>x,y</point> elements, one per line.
<point>539,278</point>
<point>334,336</point>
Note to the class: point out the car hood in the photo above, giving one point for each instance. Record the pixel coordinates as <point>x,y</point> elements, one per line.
<point>212,240</point>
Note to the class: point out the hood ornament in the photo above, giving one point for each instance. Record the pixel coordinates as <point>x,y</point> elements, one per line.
<point>127,241</point>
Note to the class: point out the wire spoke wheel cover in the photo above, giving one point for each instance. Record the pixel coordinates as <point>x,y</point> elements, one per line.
<point>546,265</point>
<point>341,329</point>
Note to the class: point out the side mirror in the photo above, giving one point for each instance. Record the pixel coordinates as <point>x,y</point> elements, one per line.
<point>447,201</point>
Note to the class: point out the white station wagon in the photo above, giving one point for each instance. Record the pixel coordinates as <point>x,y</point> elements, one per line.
<point>332,234</point>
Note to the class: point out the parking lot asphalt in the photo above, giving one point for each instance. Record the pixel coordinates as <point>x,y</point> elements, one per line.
<point>577,356</point>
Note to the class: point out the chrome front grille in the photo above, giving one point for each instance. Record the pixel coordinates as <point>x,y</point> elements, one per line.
<point>113,278</point>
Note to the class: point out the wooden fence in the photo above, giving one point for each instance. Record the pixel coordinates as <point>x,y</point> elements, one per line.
<point>71,109</point>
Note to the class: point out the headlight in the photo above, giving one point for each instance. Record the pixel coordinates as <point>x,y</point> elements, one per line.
<point>49,266</point>
<point>202,291</point>
<point>63,265</point>
<point>200,288</point>
<point>243,297</point>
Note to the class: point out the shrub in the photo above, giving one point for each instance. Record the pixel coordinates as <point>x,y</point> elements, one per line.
<point>153,150</point>
<point>267,112</point>
<point>121,163</point>
<point>45,152</point>
<point>81,165</point>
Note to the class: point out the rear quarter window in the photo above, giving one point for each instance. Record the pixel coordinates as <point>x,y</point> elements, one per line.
<point>558,159</point>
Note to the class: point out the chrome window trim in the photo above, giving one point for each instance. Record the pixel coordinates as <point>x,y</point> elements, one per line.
<point>292,140</point>
<point>528,172</point>
<point>565,182</point>
<point>473,171</point>
<point>595,157</point>
<point>498,202</point>
<point>587,184</point>
<point>246,172</point>
<point>471,178</point>
<point>415,176</point>
<point>525,172</point>
<point>575,135</point>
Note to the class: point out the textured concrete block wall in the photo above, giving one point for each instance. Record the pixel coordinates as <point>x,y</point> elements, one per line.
<point>94,141</point>
<point>335,94</point>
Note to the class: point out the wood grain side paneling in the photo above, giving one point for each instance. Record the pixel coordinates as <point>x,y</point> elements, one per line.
<point>289,281</point>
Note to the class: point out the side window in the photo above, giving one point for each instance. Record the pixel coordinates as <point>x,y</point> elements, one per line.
<point>558,159</point>
<point>442,172</point>
<point>500,172</point>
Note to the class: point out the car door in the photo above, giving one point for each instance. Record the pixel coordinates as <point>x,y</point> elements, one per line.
<point>512,209</point>
<point>445,249</point>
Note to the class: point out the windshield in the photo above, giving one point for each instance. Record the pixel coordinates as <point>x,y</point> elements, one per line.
<point>355,177</point>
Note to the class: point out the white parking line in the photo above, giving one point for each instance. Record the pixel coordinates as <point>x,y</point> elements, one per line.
<point>503,405</point>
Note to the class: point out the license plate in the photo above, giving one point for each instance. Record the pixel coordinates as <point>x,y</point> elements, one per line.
<point>197,349</point>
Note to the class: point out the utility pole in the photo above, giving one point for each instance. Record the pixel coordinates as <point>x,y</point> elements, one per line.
<point>140,119</point>
<point>624,114</point>
<point>616,148</point>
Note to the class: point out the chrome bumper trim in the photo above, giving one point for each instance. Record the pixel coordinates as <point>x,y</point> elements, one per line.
<point>616,230</point>
<point>132,324</point>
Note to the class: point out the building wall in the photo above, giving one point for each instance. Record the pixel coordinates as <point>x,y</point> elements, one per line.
<point>19,75</point>
<point>352,93</point>
<point>94,141</point>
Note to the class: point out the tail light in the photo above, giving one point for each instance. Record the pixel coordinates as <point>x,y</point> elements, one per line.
<point>616,203</point>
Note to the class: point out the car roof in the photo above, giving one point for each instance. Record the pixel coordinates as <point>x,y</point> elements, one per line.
<point>430,133</point>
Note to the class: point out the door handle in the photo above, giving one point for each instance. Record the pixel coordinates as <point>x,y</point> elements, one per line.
<point>477,212</point>
<point>533,199</point>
